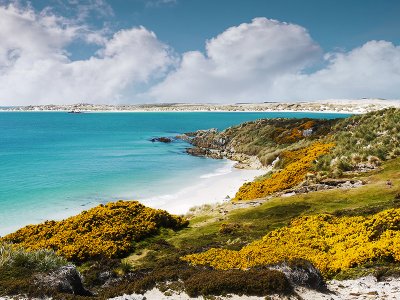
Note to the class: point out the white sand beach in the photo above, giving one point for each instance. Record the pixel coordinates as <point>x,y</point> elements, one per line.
<point>216,187</point>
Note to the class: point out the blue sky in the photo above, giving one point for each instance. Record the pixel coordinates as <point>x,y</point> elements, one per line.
<point>186,24</point>
<point>337,40</point>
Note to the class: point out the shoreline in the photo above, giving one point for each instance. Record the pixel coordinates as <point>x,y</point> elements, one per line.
<point>210,188</point>
<point>189,111</point>
<point>343,106</point>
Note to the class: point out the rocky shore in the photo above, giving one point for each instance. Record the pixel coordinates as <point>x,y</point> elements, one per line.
<point>214,144</point>
<point>338,106</point>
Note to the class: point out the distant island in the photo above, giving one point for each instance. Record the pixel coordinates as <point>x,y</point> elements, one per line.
<point>336,106</point>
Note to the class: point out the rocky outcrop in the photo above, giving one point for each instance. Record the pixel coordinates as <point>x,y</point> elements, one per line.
<point>214,144</point>
<point>323,185</point>
<point>66,279</point>
<point>161,140</point>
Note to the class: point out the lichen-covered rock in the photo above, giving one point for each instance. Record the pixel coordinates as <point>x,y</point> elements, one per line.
<point>66,279</point>
<point>301,272</point>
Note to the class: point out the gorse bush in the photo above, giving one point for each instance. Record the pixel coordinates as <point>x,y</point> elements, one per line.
<point>331,243</point>
<point>297,164</point>
<point>266,138</point>
<point>109,230</point>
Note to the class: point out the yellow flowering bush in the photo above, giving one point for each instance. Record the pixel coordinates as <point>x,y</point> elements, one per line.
<point>104,231</point>
<point>330,243</point>
<point>290,136</point>
<point>297,164</point>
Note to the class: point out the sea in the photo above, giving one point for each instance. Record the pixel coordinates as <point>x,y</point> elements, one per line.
<point>56,164</point>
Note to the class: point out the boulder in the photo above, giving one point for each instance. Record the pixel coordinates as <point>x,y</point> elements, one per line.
<point>65,279</point>
<point>301,272</point>
<point>161,139</point>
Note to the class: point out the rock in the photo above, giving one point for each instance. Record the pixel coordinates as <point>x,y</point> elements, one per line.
<point>161,139</point>
<point>196,151</point>
<point>66,279</point>
<point>301,272</point>
<point>199,151</point>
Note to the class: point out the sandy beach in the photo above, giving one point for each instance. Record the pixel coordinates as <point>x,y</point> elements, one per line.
<point>216,187</point>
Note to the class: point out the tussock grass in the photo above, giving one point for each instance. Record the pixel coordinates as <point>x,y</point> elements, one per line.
<point>12,256</point>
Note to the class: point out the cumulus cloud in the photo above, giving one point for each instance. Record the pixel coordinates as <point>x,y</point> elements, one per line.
<point>242,63</point>
<point>35,67</point>
<point>262,60</point>
<point>372,70</point>
<point>268,60</point>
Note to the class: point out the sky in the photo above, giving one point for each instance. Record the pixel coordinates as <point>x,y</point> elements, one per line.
<point>225,51</point>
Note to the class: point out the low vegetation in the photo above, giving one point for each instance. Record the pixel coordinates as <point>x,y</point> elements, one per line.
<point>14,257</point>
<point>108,231</point>
<point>17,265</point>
<point>363,141</point>
<point>333,244</point>
<point>297,163</point>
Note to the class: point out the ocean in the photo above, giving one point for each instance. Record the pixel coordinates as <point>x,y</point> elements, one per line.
<point>55,164</point>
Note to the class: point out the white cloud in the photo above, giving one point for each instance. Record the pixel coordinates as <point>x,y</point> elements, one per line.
<point>267,60</point>
<point>262,60</point>
<point>240,64</point>
<point>372,70</point>
<point>35,68</point>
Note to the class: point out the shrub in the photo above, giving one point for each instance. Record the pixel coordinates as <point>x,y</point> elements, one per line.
<point>228,228</point>
<point>250,282</point>
<point>296,164</point>
<point>331,243</point>
<point>104,231</point>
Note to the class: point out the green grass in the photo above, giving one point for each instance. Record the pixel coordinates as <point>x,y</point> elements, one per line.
<point>254,222</point>
<point>17,266</point>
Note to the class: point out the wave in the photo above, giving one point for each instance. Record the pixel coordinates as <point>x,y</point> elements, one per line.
<point>220,171</point>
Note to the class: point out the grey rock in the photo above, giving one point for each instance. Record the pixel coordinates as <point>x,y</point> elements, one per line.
<point>66,279</point>
<point>302,273</point>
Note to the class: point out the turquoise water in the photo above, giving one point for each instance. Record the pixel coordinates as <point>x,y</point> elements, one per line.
<point>54,164</point>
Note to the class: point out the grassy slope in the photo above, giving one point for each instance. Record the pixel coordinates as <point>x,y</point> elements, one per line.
<point>277,212</point>
<point>254,222</point>
<point>156,259</point>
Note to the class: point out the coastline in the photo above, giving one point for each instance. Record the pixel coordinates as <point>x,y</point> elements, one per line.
<point>345,106</point>
<point>210,188</point>
<point>353,112</point>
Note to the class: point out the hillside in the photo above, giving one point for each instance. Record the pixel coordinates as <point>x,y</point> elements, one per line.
<point>302,224</point>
